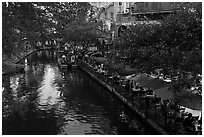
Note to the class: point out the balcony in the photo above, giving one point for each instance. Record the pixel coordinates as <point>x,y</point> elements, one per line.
<point>151,7</point>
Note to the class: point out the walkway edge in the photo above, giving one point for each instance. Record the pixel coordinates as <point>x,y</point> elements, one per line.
<point>16,62</point>
<point>27,54</point>
<point>121,98</point>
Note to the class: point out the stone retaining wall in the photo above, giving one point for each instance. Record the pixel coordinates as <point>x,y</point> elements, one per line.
<point>151,123</point>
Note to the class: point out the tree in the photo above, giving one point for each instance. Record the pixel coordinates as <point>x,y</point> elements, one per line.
<point>174,46</point>
<point>38,21</point>
<point>85,32</point>
<point>20,21</point>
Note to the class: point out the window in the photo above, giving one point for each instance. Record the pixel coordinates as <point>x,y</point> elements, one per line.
<point>111,15</point>
<point>127,5</point>
<point>119,19</point>
<point>120,3</point>
<point>106,15</point>
<point>155,6</point>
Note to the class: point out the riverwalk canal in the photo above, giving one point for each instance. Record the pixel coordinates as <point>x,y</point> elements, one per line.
<point>46,100</point>
<point>78,68</point>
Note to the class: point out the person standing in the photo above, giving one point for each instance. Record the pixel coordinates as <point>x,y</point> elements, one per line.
<point>147,103</point>
<point>188,123</point>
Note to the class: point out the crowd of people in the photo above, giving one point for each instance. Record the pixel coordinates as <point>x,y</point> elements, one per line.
<point>143,97</point>
<point>171,112</point>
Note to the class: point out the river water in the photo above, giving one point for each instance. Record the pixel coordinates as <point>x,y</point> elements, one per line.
<point>46,100</point>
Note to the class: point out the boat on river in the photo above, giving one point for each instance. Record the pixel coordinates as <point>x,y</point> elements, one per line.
<point>73,61</point>
<point>66,64</point>
<point>66,61</point>
<point>74,65</point>
<point>62,64</point>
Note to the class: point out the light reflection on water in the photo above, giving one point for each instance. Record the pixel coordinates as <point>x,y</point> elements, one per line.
<point>47,100</point>
<point>48,91</point>
<point>14,82</point>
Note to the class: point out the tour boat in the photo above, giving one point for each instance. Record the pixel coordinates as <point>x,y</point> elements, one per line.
<point>74,65</point>
<point>62,65</point>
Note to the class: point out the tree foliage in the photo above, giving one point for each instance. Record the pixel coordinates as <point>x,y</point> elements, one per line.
<point>174,46</point>
<point>85,32</point>
<point>36,21</point>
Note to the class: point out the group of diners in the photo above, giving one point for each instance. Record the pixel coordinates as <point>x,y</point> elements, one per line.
<point>135,90</point>
<point>100,69</point>
<point>192,124</point>
<point>131,87</point>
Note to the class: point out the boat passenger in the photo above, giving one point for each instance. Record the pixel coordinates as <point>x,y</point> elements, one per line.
<point>64,59</point>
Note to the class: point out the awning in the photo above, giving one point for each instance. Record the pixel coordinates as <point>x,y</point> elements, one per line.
<point>89,53</point>
<point>142,79</point>
<point>193,112</point>
<point>96,55</point>
<point>155,84</point>
<point>101,59</point>
<point>126,72</point>
<point>164,93</point>
<point>190,100</point>
<point>130,76</point>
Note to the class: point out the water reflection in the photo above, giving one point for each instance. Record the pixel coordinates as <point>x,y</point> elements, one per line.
<point>49,93</point>
<point>47,100</point>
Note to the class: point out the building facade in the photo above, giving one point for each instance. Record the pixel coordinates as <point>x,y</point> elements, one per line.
<point>107,15</point>
<point>130,12</point>
<point>118,14</point>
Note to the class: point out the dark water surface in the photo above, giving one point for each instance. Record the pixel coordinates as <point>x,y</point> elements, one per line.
<point>46,100</point>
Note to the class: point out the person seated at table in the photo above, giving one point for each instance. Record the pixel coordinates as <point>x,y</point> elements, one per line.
<point>116,78</point>
<point>131,84</point>
<point>98,70</point>
<point>101,71</point>
<point>199,127</point>
<point>188,123</point>
<point>105,72</point>
<point>149,91</point>
<point>141,88</point>
<point>142,91</point>
<point>137,87</point>
<point>127,86</point>
<point>96,67</point>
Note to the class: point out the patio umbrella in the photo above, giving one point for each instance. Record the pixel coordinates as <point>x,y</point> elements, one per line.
<point>130,76</point>
<point>156,84</point>
<point>142,79</point>
<point>127,72</point>
<point>96,55</point>
<point>89,53</point>
<point>190,100</point>
<point>139,76</point>
<point>101,59</point>
<point>164,93</point>
<point>193,112</point>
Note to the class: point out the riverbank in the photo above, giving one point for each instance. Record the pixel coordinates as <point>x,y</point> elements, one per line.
<point>13,66</point>
<point>10,68</point>
<point>160,130</point>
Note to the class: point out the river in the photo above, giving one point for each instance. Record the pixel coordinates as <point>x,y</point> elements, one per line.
<point>46,100</point>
